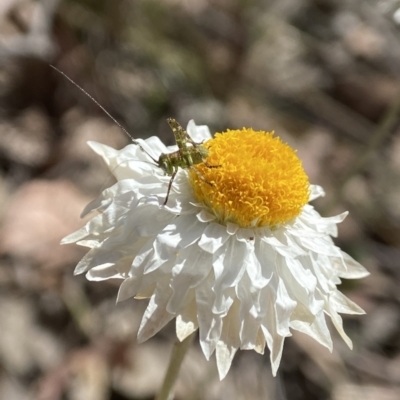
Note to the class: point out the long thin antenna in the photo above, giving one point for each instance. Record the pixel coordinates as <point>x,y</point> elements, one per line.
<point>105,111</point>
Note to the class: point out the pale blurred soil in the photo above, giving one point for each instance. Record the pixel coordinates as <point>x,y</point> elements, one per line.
<point>323,74</point>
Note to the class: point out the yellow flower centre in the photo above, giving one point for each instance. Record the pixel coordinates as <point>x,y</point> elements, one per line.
<point>251,178</point>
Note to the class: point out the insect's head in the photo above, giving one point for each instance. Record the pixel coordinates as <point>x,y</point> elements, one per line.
<point>165,163</point>
<point>203,152</point>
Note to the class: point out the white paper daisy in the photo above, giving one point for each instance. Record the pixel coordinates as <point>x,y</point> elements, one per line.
<point>236,253</point>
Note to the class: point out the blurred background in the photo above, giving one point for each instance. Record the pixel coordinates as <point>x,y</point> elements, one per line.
<point>324,74</point>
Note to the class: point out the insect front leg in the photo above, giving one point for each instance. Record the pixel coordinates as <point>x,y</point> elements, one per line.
<point>211,166</point>
<point>201,176</point>
<point>170,186</point>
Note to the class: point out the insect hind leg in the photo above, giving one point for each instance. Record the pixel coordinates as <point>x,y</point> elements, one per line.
<point>170,186</point>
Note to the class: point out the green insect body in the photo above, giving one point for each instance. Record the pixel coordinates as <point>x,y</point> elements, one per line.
<point>188,155</point>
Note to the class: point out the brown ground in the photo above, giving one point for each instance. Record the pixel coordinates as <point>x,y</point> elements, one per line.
<point>324,74</point>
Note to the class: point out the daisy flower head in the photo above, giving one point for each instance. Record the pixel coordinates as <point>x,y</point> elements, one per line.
<point>236,252</point>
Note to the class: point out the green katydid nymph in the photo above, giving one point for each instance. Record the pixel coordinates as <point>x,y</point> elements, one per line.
<point>188,155</point>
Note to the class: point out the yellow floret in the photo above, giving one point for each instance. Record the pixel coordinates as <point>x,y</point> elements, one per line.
<point>256,179</point>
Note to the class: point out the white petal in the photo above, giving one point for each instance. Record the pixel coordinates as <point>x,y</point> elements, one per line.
<point>284,307</point>
<point>318,330</point>
<point>148,268</point>
<point>260,344</point>
<point>153,145</point>
<point>186,321</point>
<point>274,340</point>
<point>283,249</point>
<point>249,333</point>
<point>229,342</point>
<point>327,226</point>
<point>210,325</point>
<point>129,162</point>
<point>76,236</point>
<point>103,272</point>
<point>138,283</point>
<point>267,258</point>
<point>139,219</point>
<point>258,275</point>
<point>321,273</point>
<point>342,304</point>
<point>213,237</point>
<point>315,192</point>
<point>229,268</point>
<point>205,216</point>
<point>129,288</point>
<point>338,322</point>
<point>116,251</point>
<point>320,245</point>
<point>110,214</point>
<point>155,316</point>
<point>182,232</point>
<point>300,282</point>
<point>102,202</point>
<point>351,270</point>
<point>250,315</point>
<point>231,228</point>
<point>198,133</point>
<point>191,268</point>
<point>103,150</point>
<point>160,255</point>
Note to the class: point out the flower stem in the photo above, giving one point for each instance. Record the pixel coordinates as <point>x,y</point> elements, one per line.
<point>178,354</point>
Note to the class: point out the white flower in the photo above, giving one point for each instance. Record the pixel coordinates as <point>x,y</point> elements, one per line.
<point>236,252</point>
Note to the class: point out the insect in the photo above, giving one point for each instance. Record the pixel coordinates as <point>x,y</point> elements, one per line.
<point>189,153</point>
<point>186,157</point>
